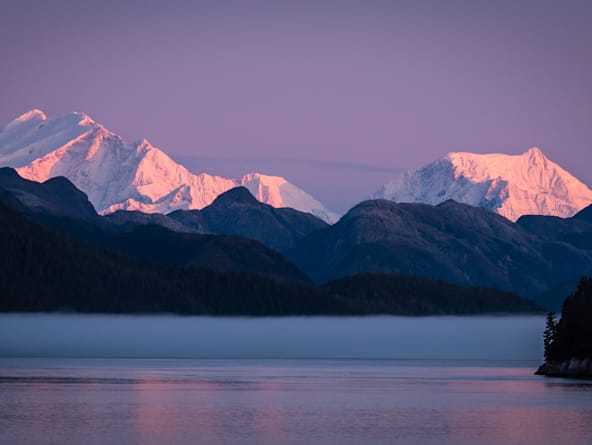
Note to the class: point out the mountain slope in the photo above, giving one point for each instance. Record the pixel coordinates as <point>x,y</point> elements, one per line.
<point>452,242</point>
<point>575,231</point>
<point>117,175</point>
<point>237,212</point>
<point>405,295</point>
<point>58,204</point>
<point>129,220</point>
<point>57,196</point>
<point>527,184</point>
<point>219,253</point>
<point>44,270</point>
<point>54,269</point>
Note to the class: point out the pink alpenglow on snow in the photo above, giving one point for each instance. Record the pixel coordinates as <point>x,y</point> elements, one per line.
<point>511,185</point>
<point>119,175</point>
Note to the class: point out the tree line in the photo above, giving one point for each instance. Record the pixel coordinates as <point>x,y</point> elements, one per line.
<point>43,269</point>
<point>571,336</point>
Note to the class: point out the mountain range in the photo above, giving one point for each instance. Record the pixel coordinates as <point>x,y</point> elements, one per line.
<point>513,186</point>
<point>235,212</point>
<point>117,175</point>
<point>519,224</point>
<point>450,242</point>
<point>58,204</point>
<point>54,262</point>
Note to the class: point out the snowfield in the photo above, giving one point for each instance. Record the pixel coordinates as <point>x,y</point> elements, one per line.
<point>119,175</point>
<point>511,185</point>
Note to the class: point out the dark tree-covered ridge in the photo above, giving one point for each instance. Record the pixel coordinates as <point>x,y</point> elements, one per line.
<point>43,269</point>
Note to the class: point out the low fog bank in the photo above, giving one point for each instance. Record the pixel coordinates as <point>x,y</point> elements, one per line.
<point>478,338</point>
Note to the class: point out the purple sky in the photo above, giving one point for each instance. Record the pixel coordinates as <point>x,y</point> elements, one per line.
<point>379,84</point>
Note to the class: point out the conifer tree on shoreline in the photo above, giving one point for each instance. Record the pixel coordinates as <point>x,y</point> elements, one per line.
<point>549,335</point>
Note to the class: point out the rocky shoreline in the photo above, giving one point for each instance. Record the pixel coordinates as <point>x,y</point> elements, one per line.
<point>574,367</point>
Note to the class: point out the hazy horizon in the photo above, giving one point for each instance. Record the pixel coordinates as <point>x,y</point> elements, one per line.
<point>484,337</point>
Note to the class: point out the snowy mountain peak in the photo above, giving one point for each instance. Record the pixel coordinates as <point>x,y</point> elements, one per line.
<point>534,152</point>
<point>117,175</point>
<point>34,115</point>
<point>143,144</point>
<point>277,191</point>
<point>511,185</point>
<point>263,185</point>
<point>85,120</point>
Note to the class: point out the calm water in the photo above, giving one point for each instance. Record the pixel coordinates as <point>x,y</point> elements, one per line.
<point>378,380</point>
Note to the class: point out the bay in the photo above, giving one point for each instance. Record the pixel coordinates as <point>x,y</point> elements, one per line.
<point>70,379</point>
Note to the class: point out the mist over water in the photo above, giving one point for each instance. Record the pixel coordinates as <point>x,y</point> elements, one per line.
<point>167,336</point>
<point>98,379</point>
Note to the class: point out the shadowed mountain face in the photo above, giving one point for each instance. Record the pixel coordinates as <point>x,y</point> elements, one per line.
<point>149,268</point>
<point>235,212</point>
<point>129,220</point>
<point>451,241</point>
<point>42,269</point>
<point>574,233</point>
<point>59,204</point>
<point>378,293</point>
<point>214,252</point>
<point>56,196</point>
<point>585,214</point>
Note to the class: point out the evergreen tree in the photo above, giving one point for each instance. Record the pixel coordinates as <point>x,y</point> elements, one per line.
<point>549,335</point>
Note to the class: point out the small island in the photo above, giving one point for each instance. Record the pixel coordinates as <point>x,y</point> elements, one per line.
<point>568,343</point>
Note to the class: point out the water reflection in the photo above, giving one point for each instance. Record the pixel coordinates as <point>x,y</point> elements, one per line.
<point>233,401</point>
<point>274,381</point>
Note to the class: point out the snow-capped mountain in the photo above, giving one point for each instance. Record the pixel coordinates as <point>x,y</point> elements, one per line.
<point>119,175</point>
<point>511,185</point>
